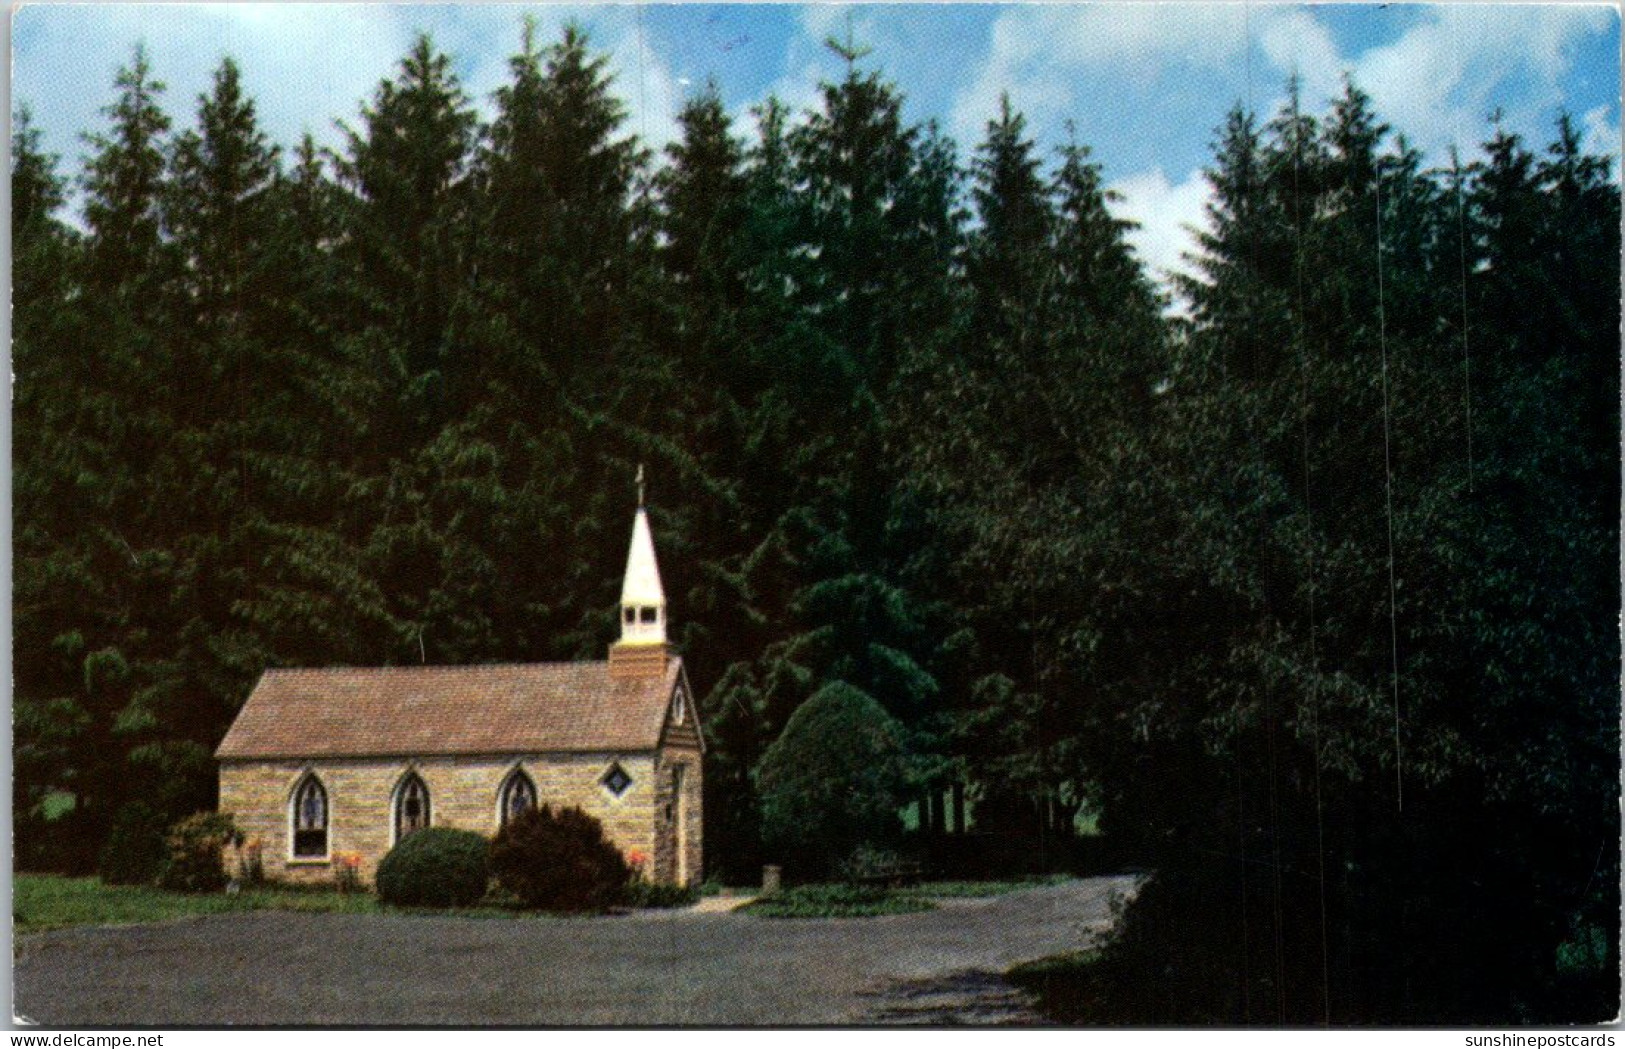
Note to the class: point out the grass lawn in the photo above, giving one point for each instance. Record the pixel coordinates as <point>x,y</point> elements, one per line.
<point>836,901</point>
<point>49,901</point>
<point>850,901</point>
<point>964,889</point>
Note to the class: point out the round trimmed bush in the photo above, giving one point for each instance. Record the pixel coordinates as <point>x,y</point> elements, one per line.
<point>559,860</point>
<point>832,782</point>
<point>436,867</point>
<point>197,852</point>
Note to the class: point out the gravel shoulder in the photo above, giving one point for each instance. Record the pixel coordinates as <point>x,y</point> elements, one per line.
<point>653,968</point>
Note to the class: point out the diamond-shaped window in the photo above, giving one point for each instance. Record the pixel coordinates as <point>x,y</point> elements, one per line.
<point>616,781</point>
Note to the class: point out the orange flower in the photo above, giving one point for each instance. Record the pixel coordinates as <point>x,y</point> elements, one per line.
<point>637,857</point>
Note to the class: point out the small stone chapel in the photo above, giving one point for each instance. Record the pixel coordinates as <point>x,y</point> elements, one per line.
<point>335,765</point>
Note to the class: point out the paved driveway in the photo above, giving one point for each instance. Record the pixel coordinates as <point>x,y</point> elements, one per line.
<point>281,968</point>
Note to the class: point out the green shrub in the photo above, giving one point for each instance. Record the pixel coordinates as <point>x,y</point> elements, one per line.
<point>435,867</point>
<point>641,893</point>
<point>837,901</point>
<point>867,863</point>
<point>559,860</point>
<point>134,852</point>
<point>831,782</point>
<point>251,863</point>
<point>197,847</point>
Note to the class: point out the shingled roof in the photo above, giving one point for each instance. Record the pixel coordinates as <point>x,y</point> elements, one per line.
<point>515,708</point>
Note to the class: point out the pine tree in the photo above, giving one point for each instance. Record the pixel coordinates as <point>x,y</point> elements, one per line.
<point>93,540</point>
<point>881,219</point>
<point>742,326</point>
<point>49,715</point>
<point>222,174</point>
<point>1024,454</point>
<point>561,224</point>
<point>124,185</point>
<point>568,391</point>
<point>708,335</point>
<point>407,173</point>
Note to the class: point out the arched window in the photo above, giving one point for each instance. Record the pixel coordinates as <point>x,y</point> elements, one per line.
<point>411,806</point>
<point>517,795</point>
<point>309,819</point>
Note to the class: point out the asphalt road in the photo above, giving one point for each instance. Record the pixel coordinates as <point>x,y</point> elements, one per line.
<point>655,968</point>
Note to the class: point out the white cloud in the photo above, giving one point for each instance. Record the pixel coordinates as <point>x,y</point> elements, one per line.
<point>1442,77</point>
<point>1294,42</point>
<point>1166,212</point>
<point>1044,56</point>
<point>1600,136</point>
<point>1437,80</point>
<point>1598,133</point>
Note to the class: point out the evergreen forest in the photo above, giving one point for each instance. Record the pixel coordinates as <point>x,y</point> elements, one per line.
<point>1303,596</point>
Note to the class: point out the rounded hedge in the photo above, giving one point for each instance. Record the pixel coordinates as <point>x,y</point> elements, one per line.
<point>560,860</point>
<point>197,852</point>
<point>435,867</point>
<point>831,782</point>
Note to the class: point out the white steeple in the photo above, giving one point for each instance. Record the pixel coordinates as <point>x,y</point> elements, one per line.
<point>643,600</point>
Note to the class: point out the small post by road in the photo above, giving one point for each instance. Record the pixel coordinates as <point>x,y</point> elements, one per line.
<point>770,880</point>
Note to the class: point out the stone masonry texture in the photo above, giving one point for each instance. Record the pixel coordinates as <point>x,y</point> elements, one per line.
<point>463,793</point>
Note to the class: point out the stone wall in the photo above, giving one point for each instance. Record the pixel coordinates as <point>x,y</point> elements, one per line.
<point>679,818</point>
<point>462,794</point>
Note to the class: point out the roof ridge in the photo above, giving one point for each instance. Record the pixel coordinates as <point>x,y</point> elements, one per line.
<point>437,666</point>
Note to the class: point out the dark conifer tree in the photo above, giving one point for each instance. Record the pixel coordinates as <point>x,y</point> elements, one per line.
<point>49,457</point>
<point>572,393</point>
<point>406,171</point>
<point>741,325</point>
<point>1021,457</point>
<point>92,539</point>
<point>124,184</point>
<point>404,257</point>
<point>1013,204</point>
<point>878,212</point>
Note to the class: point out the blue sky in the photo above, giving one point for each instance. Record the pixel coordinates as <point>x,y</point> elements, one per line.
<point>1143,85</point>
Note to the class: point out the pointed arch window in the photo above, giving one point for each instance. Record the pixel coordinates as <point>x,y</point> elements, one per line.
<point>518,795</point>
<point>309,819</point>
<point>411,806</point>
